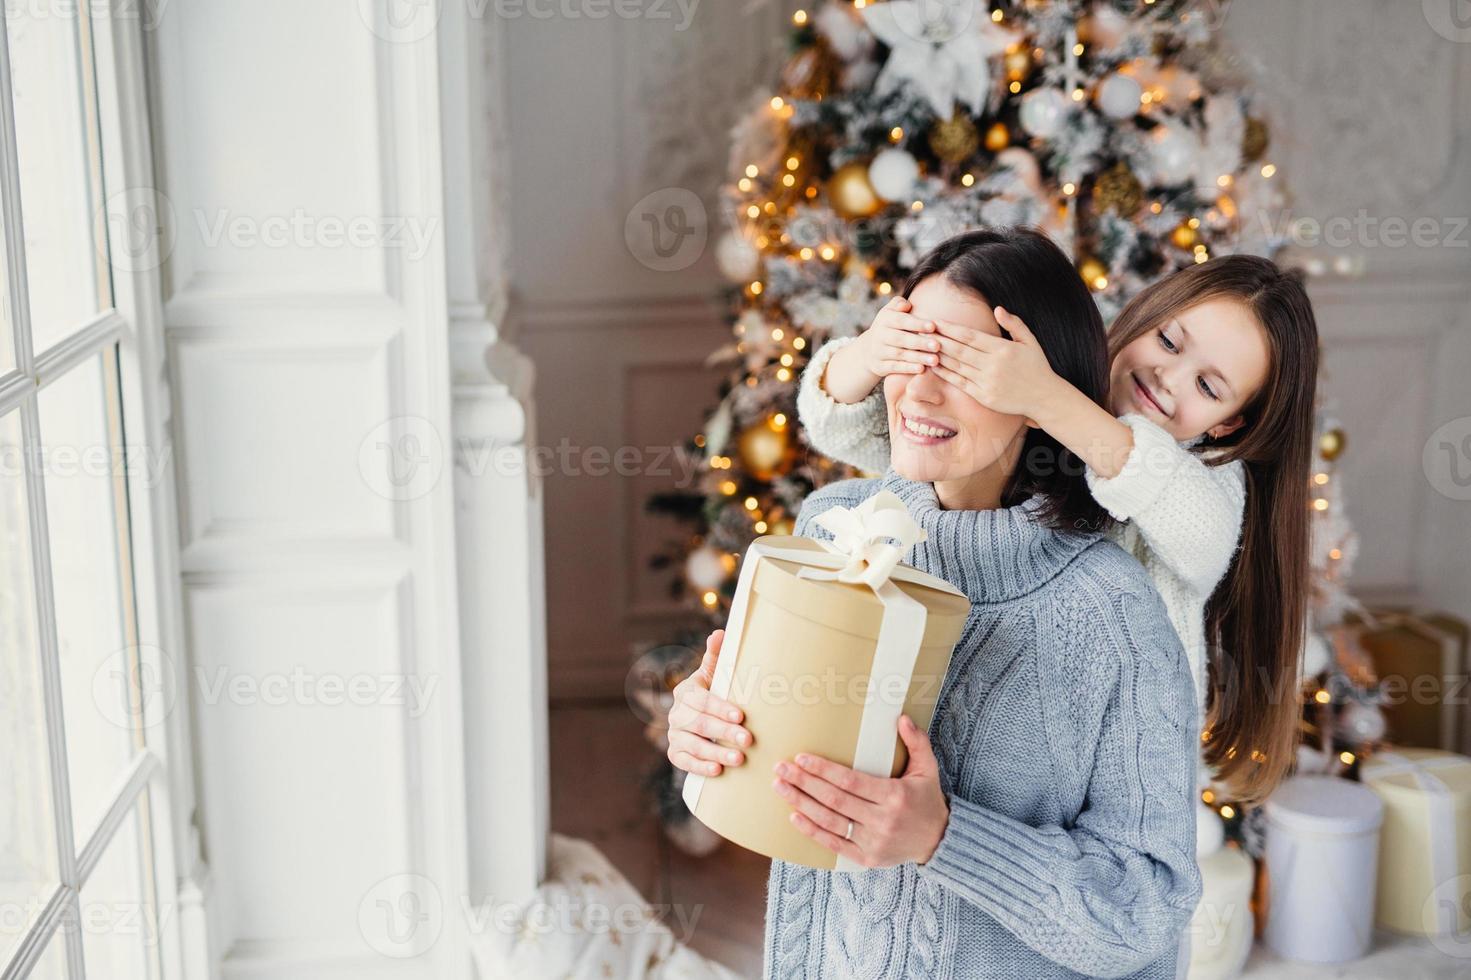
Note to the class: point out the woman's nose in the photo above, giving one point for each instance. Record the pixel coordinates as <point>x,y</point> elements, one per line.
<point>926,386</point>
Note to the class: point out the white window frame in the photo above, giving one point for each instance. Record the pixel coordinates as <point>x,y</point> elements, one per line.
<point>163,767</point>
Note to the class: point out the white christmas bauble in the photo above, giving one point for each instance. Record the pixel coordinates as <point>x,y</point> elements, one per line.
<point>1363,722</point>
<point>893,174</point>
<point>738,257</point>
<point>1042,112</point>
<point>1023,164</point>
<point>1210,830</point>
<point>841,24</point>
<point>1106,27</point>
<point>704,569</point>
<point>1315,655</point>
<point>1172,152</point>
<point>1118,96</point>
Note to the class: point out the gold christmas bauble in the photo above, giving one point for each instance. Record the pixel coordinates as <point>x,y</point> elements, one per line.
<point>854,265</point>
<point>955,139</point>
<point>1018,62</point>
<point>851,194</point>
<point>782,526</point>
<point>1256,139</point>
<point>1094,273</point>
<point>1331,443</point>
<point>762,447</point>
<point>998,137</point>
<point>1118,190</point>
<point>1184,236</point>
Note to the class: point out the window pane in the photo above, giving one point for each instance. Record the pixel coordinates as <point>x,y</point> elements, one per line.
<point>54,113</point>
<point>118,936</point>
<point>52,964</point>
<point>7,332</point>
<point>28,864</point>
<point>96,662</point>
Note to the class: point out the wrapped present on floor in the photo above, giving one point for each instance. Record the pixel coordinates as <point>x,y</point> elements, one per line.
<point>1322,850</point>
<point>826,646</point>
<point>1222,928</point>
<point>1420,658</point>
<point>1425,844</point>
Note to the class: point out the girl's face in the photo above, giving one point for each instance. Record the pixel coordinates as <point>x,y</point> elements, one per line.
<point>938,433</point>
<point>1195,372</point>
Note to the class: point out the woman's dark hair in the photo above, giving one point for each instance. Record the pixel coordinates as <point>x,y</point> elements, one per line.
<point>1022,270</point>
<point>1256,620</point>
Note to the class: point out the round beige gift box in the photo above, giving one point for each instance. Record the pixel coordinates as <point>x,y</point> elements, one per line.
<point>1425,843</point>
<point>801,673</point>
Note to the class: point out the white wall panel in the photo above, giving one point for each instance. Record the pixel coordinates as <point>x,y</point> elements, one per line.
<point>305,121</point>
<point>305,725</point>
<point>258,473</point>
<point>273,143</point>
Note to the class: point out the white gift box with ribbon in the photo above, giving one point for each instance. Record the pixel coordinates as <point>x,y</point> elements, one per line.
<point>1322,848</point>
<point>1425,843</point>
<point>827,644</point>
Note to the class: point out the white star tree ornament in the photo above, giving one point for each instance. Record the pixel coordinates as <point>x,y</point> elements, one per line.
<point>941,49</point>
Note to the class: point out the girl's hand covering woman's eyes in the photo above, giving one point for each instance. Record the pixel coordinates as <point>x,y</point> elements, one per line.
<point>898,342</point>
<point>698,717</point>
<point>1007,376</point>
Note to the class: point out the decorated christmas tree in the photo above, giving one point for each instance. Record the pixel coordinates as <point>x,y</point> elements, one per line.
<point>1120,127</point>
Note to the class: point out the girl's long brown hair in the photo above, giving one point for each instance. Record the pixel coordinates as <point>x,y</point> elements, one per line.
<point>1256,620</point>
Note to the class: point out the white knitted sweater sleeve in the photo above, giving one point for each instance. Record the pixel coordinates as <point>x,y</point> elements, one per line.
<point>1188,512</point>
<point>856,434</point>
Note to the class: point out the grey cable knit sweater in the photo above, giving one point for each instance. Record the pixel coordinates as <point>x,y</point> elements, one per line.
<point>1066,755</point>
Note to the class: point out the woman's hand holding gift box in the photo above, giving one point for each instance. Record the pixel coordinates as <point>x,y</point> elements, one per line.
<point>894,819</point>
<point>698,717</point>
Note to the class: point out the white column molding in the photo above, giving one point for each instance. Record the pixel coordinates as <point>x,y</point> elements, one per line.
<point>498,500</point>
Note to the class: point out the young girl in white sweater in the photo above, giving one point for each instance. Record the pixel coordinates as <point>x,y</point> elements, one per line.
<point>1202,455</point>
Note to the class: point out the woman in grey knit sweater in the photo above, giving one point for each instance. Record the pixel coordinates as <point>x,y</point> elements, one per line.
<point>1044,826</point>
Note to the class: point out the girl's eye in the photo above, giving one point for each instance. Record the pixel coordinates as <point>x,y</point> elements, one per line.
<point>1207,389</point>
<point>1166,341</point>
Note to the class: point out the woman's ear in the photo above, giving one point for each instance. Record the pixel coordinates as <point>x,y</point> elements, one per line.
<point>1222,429</point>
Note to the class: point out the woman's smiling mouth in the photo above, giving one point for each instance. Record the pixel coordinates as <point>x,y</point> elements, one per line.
<point>923,431</point>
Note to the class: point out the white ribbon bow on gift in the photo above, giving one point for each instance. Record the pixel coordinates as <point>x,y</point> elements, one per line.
<point>1442,808</point>
<point>859,554</point>
<point>860,533</point>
